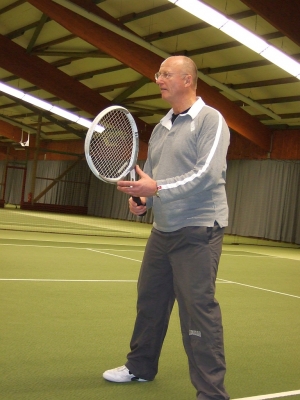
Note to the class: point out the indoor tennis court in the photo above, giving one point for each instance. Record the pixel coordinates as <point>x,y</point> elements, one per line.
<point>89,91</point>
<point>68,307</point>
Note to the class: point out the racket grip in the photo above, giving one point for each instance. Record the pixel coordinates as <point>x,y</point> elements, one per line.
<point>139,203</point>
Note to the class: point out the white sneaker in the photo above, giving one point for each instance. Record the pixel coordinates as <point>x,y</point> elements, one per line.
<point>120,375</point>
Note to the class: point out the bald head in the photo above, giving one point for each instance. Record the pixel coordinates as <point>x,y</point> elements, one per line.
<point>186,65</point>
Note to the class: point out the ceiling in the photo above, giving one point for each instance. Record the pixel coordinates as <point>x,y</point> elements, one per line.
<point>85,55</point>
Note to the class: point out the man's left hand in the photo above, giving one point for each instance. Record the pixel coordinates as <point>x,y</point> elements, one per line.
<point>144,187</point>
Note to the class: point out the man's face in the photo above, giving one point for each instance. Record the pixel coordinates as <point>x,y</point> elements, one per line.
<point>171,80</point>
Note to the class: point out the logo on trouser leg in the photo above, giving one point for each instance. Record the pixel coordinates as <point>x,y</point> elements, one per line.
<point>194,333</point>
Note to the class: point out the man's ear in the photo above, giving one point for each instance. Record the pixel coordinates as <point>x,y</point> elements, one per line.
<point>188,80</point>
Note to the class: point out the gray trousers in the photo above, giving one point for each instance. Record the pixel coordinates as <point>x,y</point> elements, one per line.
<point>182,265</point>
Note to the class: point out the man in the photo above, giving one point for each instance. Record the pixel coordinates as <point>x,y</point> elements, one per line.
<point>184,182</point>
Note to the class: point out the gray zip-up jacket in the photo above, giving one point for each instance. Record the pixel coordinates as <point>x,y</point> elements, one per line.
<point>188,161</point>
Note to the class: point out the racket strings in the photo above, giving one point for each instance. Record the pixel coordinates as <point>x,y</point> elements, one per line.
<point>111,145</point>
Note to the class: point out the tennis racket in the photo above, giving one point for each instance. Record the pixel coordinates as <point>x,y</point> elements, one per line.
<point>112,145</point>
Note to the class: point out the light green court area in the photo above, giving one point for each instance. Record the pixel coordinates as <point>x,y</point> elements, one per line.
<point>68,308</point>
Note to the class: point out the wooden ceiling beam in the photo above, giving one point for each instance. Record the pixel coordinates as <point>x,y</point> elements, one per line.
<point>268,82</point>
<point>273,100</point>
<point>130,100</point>
<point>20,31</point>
<point>131,89</point>
<point>37,32</point>
<point>54,42</point>
<point>146,63</point>
<point>110,88</point>
<point>284,16</point>
<point>10,131</point>
<point>11,6</point>
<point>71,54</point>
<point>263,117</point>
<point>90,6</point>
<point>13,58</point>
<point>147,13</point>
<point>90,74</point>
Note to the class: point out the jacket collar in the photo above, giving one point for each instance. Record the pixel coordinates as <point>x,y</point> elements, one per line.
<point>193,112</point>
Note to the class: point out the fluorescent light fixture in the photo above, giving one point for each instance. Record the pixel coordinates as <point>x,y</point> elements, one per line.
<point>202,11</point>
<point>245,37</point>
<point>282,60</point>
<point>36,102</point>
<point>83,122</point>
<point>64,113</point>
<point>44,105</point>
<point>12,91</point>
<point>99,128</point>
<point>241,34</point>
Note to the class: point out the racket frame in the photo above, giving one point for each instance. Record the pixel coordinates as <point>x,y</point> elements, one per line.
<point>135,140</point>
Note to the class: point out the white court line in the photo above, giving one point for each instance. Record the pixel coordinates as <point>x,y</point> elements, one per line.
<point>66,247</point>
<point>113,255</point>
<point>132,259</point>
<point>130,280</point>
<point>71,280</point>
<point>87,248</point>
<point>259,288</point>
<point>271,396</point>
<point>255,255</point>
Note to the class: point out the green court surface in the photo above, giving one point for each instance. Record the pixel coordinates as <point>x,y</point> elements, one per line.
<point>68,308</point>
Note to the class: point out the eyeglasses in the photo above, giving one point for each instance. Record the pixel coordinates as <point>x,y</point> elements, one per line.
<point>166,75</point>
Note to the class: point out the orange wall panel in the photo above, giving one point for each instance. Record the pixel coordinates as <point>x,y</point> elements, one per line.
<point>286,145</point>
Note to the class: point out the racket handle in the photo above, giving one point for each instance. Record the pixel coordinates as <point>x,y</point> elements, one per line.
<point>139,203</point>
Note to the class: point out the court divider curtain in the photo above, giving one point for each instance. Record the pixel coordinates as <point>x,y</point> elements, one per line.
<point>14,180</point>
<point>264,199</point>
<point>71,190</point>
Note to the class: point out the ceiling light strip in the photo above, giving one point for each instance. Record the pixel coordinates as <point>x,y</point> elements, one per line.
<point>44,105</point>
<point>241,34</point>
